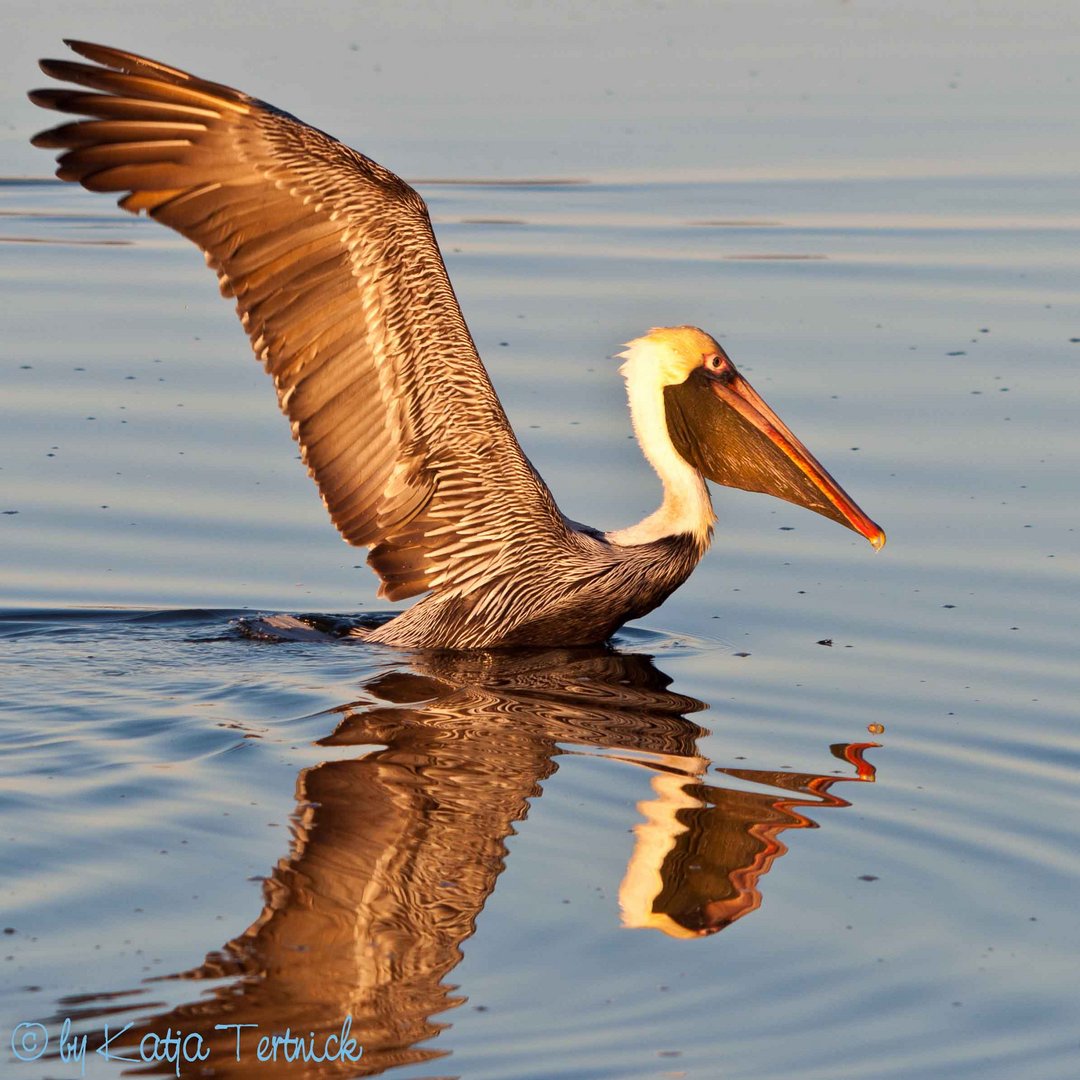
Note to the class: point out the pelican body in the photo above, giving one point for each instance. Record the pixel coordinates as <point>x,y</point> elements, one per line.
<point>340,285</point>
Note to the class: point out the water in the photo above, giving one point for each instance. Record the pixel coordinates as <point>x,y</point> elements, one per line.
<point>815,816</point>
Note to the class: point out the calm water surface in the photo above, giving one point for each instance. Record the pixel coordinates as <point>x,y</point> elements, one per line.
<point>816,816</point>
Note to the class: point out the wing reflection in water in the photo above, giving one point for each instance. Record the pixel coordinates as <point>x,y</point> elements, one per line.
<point>396,852</point>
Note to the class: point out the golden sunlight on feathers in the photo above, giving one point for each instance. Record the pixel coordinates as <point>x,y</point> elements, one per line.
<point>340,285</point>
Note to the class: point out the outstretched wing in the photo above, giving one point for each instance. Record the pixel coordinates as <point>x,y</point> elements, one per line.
<point>339,283</point>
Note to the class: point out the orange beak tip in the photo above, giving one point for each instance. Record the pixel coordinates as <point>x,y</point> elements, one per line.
<point>877,540</point>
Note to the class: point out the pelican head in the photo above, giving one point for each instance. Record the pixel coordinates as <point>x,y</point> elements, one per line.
<point>719,425</point>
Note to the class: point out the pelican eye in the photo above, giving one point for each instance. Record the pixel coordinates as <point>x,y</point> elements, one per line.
<point>716,364</point>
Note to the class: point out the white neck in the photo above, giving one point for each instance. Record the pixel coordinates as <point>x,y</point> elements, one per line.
<point>686,507</point>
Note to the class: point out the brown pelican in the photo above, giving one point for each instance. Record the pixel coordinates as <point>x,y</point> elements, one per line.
<point>339,283</point>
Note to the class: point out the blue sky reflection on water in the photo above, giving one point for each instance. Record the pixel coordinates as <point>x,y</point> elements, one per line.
<point>875,205</point>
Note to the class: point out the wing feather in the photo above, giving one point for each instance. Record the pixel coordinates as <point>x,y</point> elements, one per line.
<point>340,285</point>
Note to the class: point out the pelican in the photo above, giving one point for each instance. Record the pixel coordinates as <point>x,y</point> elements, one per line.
<point>340,285</point>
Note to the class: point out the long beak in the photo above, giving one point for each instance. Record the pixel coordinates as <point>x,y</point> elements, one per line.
<point>721,425</point>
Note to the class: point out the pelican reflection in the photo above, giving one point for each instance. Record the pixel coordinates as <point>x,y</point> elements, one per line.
<point>395,851</point>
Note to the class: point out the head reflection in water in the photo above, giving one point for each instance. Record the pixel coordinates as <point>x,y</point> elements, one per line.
<point>702,847</point>
<point>396,852</point>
